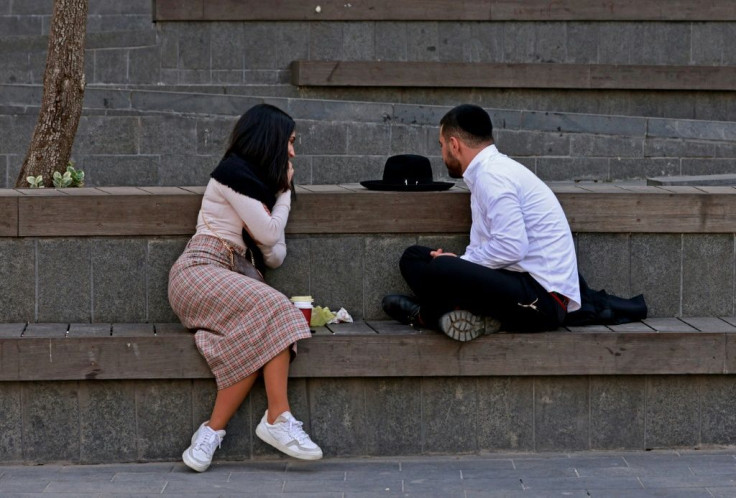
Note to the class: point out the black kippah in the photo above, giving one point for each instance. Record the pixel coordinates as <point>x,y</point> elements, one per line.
<point>474,120</point>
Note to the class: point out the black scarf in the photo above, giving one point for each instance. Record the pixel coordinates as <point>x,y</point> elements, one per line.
<point>240,175</point>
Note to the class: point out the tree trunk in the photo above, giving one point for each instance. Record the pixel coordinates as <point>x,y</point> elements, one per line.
<point>63,93</point>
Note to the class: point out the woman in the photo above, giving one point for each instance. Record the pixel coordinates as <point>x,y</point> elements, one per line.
<point>244,327</point>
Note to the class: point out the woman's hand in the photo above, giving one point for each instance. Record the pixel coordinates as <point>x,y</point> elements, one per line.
<point>440,252</point>
<point>290,173</point>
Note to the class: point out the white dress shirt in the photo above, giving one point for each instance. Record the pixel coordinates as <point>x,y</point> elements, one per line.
<point>519,225</point>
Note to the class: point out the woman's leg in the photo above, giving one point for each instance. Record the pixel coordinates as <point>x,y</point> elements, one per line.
<point>275,377</point>
<point>228,400</point>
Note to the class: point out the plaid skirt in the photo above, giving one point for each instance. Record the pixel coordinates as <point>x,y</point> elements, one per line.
<point>240,323</point>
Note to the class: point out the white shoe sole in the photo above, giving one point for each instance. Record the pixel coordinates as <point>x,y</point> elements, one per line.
<point>266,437</point>
<point>464,326</point>
<point>191,463</point>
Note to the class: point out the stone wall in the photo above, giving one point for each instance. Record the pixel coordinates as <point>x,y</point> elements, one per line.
<point>162,97</point>
<point>82,280</point>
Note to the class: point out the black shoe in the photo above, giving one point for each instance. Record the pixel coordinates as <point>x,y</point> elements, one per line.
<point>401,308</point>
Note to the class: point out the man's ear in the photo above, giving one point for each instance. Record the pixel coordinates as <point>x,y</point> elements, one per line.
<point>454,144</point>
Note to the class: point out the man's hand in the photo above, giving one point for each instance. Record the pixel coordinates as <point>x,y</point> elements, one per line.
<point>440,252</point>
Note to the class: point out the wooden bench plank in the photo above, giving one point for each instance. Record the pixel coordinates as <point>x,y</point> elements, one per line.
<point>9,210</point>
<point>669,325</point>
<point>89,330</point>
<point>443,10</point>
<point>55,330</point>
<point>429,74</point>
<point>709,324</point>
<point>132,330</point>
<point>356,328</point>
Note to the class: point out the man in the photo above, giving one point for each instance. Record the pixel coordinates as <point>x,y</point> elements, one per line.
<point>519,271</point>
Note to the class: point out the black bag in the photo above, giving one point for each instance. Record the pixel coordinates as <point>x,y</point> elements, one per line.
<point>245,266</point>
<point>601,308</point>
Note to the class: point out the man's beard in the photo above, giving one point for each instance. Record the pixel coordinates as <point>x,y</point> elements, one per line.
<point>454,168</point>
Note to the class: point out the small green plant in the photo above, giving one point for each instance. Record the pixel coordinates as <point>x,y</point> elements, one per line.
<point>62,181</point>
<point>35,181</point>
<point>76,174</point>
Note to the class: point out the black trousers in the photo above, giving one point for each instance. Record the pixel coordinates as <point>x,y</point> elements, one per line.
<point>446,283</point>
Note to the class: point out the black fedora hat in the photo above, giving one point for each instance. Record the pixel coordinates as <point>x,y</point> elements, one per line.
<point>407,173</point>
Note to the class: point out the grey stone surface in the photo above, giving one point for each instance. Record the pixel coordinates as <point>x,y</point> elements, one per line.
<point>672,411</point>
<point>550,42</point>
<point>358,41</point>
<point>717,418</point>
<point>409,140</point>
<point>381,275</point>
<point>118,280</point>
<point>164,419</point>
<point>393,411</point>
<point>676,148</point>
<point>17,133</point>
<point>174,170</point>
<point>453,42</point>
<point>708,275</point>
<point>293,276</point>
<point>449,415</point>
<point>107,422</point>
<point>110,66</point>
<point>330,111</point>
<point>162,253</point>
<point>616,43</point>
<point>617,408</point>
<point>226,42</point>
<point>50,412</point>
<point>627,169</point>
<point>691,129</point>
<point>336,273</point>
<point>338,416</point>
<point>391,40</point>
<point>94,133</point>
<point>326,41</point>
<point>346,169</point>
<point>604,261</point>
<point>606,146</point>
<point>18,274</point>
<point>368,139</point>
<point>672,47</point>
<point>582,43</point>
<point>656,272</point>
<point>64,283</point>
<point>119,170</point>
<point>583,123</point>
<point>561,413</point>
<point>505,414</point>
<point>576,168</point>
<point>176,134</point>
<point>315,137</point>
<point>707,166</point>
<point>11,423</point>
<point>422,41</point>
<point>519,42</point>
<point>527,143</point>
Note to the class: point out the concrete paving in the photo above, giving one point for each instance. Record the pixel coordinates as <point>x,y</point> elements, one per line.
<point>690,474</point>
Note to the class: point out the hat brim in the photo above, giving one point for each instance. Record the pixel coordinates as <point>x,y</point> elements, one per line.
<point>400,187</point>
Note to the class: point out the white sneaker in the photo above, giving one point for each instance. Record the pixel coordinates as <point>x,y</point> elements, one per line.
<point>204,443</point>
<point>287,435</point>
<point>462,325</point>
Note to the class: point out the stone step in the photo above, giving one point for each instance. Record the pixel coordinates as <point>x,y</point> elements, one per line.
<point>96,40</point>
<point>726,180</point>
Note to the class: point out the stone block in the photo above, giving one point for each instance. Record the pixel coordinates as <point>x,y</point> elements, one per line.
<point>530,143</point>
<point>550,40</point>
<point>14,68</point>
<point>300,404</point>
<point>107,135</point>
<point>64,284</point>
<point>726,150</point>
<point>296,37</point>
<point>303,170</point>
<point>616,42</point>
<point>672,418</point>
<point>381,275</point>
<point>707,166</point>
<point>506,414</point>
<point>11,426</point>
<point>21,26</point>
<point>229,77</point>
<point>178,170</point>
<point>392,408</point>
<point>162,253</point>
<point>292,277</point>
<point>50,412</point>
<point>582,43</point>
<point>346,169</point>
<point>107,424</point>
<point>412,114</point>
<point>320,111</point>
<point>655,147</point>
<point>606,146</point>
<point>164,418</point>
<point>195,48</point>
<point>17,133</point>
<point>449,415</point>
<point>453,42</point>
<point>168,133</point>
<point>102,98</point>
<point>718,419</point>
<point>119,170</point>
<point>122,22</point>
<point>326,40</point>
<point>144,65</point>
<point>660,43</point>
<point>617,412</point>
<point>691,129</point>
<point>718,106</point>
<point>583,123</point>
<point>315,137</point>
<point>227,40</point>
<point>626,169</point>
<point>573,168</point>
<point>485,42</point>
<point>119,280</point>
<point>604,262</point>
<point>408,140</point>
<point>110,66</point>
<point>368,139</point>
<point>561,413</point>
<point>195,76</point>
<point>656,272</point>
<point>336,273</point>
<point>708,275</point>
<point>358,41</point>
<point>111,7</point>
<point>213,135</point>
<point>391,41</point>
<point>17,273</point>
<point>240,433</point>
<point>707,43</point>
<point>423,41</point>
<point>519,42</point>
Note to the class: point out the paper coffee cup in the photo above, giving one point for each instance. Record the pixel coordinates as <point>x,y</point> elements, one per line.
<point>304,303</point>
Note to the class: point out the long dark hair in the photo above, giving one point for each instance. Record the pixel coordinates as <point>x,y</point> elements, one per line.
<point>261,137</point>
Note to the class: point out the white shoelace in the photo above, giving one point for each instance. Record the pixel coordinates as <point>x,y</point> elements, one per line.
<point>295,430</point>
<point>208,442</point>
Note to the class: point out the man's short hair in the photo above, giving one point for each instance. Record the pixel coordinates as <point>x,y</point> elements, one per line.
<point>468,122</point>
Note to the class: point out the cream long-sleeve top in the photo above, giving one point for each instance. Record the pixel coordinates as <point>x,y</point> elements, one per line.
<point>228,212</point>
